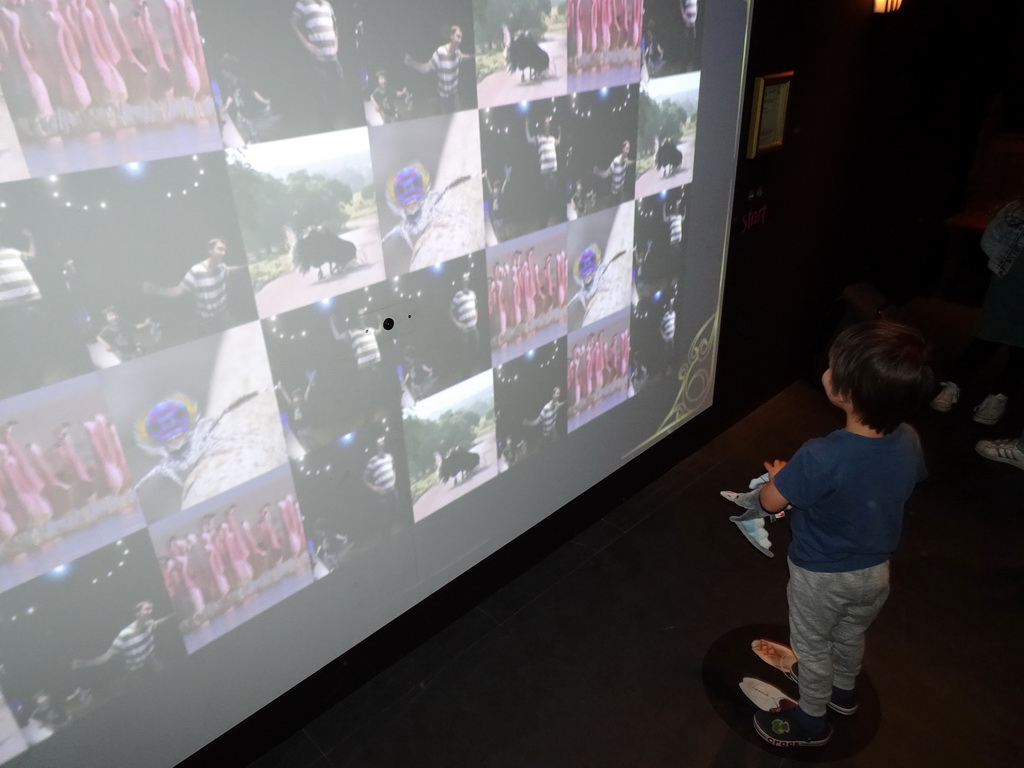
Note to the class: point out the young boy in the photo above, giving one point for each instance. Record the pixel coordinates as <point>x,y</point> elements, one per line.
<point>848,490</point>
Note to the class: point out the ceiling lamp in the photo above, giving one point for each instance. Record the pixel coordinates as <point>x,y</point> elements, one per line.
<point>884,6</point>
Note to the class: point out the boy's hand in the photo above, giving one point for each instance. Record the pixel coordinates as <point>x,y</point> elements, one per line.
<point>771,499</point>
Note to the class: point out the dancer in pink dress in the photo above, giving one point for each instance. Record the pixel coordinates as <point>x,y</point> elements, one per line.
<point>268,536</point>
<point>178,550</point>
<point>70,86</point>
<point>529,287</point>
<point>502,290</point>
<point>237,554</point>
<point>563,277</point>
<point>161,82</point>
<point>199,55</point>
<point>7,525</point>
<point>24,89</point>
<point>31,477</point>
<point>220,585</point>
<point>573,377</point>
<point>108,87</point>
<point>624,360</point>
<point>108,454</point>
<point>517,291</point>
<point>27,492</point>
<point>293,525</point>
<point>638,23</point>
<point>604,20</point>
<point>57,492</point>
<point>186,74</point>
<point>492,301</point>
<point>132,70</point>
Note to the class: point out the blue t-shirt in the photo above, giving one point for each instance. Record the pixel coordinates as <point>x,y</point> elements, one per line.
<point>848,492</point>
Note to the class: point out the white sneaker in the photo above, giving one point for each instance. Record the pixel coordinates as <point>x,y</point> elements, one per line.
<point>991,409</point>
<point>1006,451</point>
<point>946,399</point>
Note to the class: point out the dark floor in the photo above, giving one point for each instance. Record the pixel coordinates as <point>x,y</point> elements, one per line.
<point>600,654</point>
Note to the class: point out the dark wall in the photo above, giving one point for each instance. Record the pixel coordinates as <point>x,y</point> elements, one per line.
<point>885,115</point>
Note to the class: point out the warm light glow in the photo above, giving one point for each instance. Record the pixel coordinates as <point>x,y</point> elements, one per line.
<point>884,6</point>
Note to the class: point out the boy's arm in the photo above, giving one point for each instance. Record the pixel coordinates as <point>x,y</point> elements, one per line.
<point>770,498</point>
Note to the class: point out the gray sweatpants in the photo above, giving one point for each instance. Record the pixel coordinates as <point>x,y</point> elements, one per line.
<point>828,615</point>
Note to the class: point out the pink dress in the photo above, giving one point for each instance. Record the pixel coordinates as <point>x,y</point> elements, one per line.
<point>19,62</point>
<point>529,290</point>
<point>108,86</point>
<point>563,278</point>
<point>101,448</point>
<point>624,360</point>
<point>37,507</point>
<point>572,384</point>
<point>292,524</point>
<point>71,87</point>
<point>217,567</point>
<point>186,73</point>
<point>517,297</point>
<point>7,525</point>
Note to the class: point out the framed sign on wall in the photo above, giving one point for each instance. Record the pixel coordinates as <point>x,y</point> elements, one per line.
<point>768,115</point>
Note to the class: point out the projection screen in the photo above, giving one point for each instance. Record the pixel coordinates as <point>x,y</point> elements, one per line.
<point>307,307</point>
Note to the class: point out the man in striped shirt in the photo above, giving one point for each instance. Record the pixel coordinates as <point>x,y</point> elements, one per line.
<point>135,644</point>
<point>463,311</point>
<point>445,65</point>
<point>616,171</point>
<point>207,282</point>
<point>17,286</point>
<point>547,419</point>
<point>380,477</point>
<point>674,219</point>
<point>316,27</point>
<point>547,142</point>
<point>21,365</point>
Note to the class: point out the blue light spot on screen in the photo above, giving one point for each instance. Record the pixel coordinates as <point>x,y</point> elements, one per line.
<point>657,296</point>
<point>663,194</point>
<point>530,354</point>
<point>524,107</point>
<point>326,303</point>
<point>60,571</point>
<point>347,439</point>
<point>604,93</point>
<point>437,268</point>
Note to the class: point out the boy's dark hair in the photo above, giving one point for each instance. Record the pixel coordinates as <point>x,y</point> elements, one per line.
<point>883,368</point>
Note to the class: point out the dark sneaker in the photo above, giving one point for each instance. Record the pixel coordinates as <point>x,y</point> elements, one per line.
<point>783,729</point>
<point>843,702</point>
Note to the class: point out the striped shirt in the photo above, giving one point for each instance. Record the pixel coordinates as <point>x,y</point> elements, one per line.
<point>446,67</point>
<point>316,19</point>
<point>668,325</point>
<point>547,153</point>
<point>380,471</point>
<point>136,647</point>
<point>675,229</point>
<point>364,344</point>
<point>617,170</point>
<point>548,416</point>
<point>464,310</point>
<point>209,288</point>
<point>16,283</point>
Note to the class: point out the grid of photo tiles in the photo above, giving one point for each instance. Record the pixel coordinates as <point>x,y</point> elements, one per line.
<point>204,205</point>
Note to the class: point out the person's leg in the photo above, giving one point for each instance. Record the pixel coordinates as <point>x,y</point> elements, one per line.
<point>812,619</point>
<point>869,590</point>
